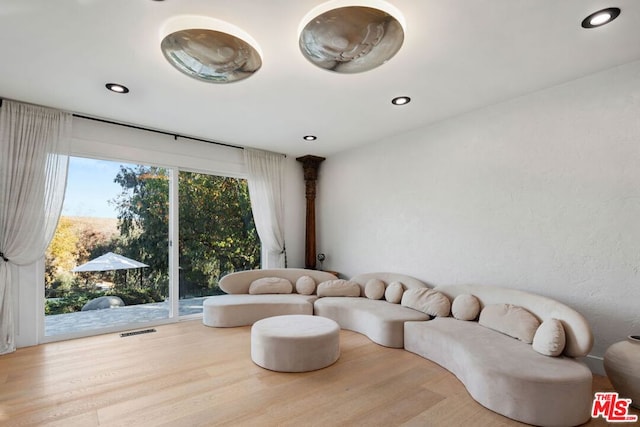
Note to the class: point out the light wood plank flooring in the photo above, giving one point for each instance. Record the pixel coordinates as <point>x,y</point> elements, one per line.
<point>186,374</point>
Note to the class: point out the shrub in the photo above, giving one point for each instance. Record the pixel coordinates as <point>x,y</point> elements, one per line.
<point>133,296</point>
<point>72,302</point>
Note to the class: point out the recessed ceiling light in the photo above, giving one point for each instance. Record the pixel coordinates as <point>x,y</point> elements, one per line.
<point>401,100</point>
<point>601,17</point>
<point>309,137</point>
<point>118,88</point>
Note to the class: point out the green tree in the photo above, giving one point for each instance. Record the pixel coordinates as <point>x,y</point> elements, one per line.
<point>62,254</point>
<point>217,232</point>
<point>143,220</point>
<point>75,242</point>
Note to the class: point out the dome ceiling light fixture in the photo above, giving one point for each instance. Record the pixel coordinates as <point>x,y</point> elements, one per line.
<point>351,39</point>
<point>601,17</point>
<point>207,52</point>
<point>309,137</point>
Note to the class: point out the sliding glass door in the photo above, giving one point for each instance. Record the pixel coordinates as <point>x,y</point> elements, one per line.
<point>109,265</point>
<point>216,235</point>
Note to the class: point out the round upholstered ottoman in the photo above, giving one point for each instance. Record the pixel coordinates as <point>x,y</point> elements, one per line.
<point>295,343</point>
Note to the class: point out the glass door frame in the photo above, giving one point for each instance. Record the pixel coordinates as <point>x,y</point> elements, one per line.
<point>172,236</point>
<point>173,262</point>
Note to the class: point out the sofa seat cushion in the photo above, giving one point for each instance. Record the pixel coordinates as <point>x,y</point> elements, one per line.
<point>504,374</point>
<point>380,321</point>
<point>243,310</point>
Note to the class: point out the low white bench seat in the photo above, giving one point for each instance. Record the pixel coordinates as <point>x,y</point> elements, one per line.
<point>226,311</point>
<point>507,375</point>
<point>380,321</point>
<point>295,343</point>
<point>239,308</point>
<point>504,374</point>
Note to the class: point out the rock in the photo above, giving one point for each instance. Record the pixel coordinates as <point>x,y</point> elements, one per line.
<point>99,303</point>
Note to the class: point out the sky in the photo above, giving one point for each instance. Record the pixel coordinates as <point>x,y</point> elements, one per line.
<point>90,186</point>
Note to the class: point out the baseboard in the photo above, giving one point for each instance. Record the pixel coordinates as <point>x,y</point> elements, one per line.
<point>596,364</point>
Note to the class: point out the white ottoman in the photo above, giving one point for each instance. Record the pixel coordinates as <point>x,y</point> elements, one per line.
<point>295,343</point>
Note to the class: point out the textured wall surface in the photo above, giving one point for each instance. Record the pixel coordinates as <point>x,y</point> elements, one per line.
<point>540,193</point>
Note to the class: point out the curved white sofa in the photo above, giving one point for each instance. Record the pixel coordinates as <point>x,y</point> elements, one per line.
<point>380,321</point>
<point>239,308</point>
<point>504,374</point>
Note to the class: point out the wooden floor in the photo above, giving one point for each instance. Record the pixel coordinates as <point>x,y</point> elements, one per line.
<point>186,374</point>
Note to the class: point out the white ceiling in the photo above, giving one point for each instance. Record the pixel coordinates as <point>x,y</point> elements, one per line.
<point>458,55</point>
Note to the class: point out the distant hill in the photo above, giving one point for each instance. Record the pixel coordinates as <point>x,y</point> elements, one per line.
<point>105,226</point>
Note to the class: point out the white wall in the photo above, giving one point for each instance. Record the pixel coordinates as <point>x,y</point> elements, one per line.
<point>111,142</point>
<point>541,193</point>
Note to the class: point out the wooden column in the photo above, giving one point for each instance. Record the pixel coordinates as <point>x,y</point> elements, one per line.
<point>310,166</point>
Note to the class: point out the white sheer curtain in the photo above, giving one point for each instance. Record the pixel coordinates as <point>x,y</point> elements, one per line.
<point>34,146</point>
<point>265,181</point>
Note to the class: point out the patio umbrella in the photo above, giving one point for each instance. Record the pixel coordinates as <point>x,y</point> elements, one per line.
<point>109,262</point>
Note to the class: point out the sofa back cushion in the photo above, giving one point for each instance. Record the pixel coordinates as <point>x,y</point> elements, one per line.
<point>270,285</point>
<point>305,285</point>
<point>338,288</point>
<point>465,307</point>
<point>427,301</point>
<point>393,293</point>
<point>388,278</point>
<point>239,282</point>
<point>549,338</point>
<point>511,320</point>
<point>374,289</point>
<point>578,334</point>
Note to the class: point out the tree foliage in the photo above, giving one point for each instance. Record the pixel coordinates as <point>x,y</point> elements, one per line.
<point>143,220</point>
<point>216,234</point>
<point>62,254</point>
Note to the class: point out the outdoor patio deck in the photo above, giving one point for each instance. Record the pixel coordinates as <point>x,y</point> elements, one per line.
<point>60,324</point>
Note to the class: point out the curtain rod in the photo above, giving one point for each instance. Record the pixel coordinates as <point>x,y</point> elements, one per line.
<point>173,134</point>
